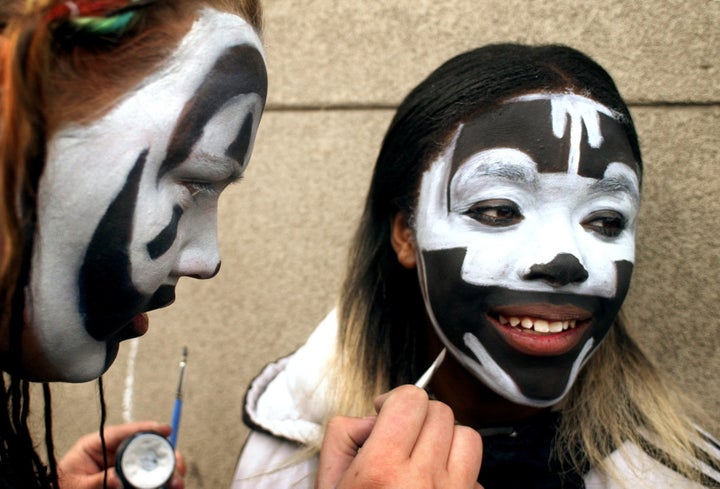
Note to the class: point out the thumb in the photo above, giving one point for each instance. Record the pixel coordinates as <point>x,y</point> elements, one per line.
<point>343,438</point>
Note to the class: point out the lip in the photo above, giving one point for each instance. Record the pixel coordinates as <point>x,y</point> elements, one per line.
<point>534,343</point>
<point>140,324</point>
<point>137,326</point>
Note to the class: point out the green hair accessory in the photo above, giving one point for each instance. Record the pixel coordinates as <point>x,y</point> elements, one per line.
<point>97,17</point>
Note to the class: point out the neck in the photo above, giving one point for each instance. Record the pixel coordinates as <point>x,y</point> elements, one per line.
<point>472,402</point>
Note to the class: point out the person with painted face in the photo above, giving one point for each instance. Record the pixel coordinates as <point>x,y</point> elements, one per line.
<point>121,122</point>
<point>498,234</point>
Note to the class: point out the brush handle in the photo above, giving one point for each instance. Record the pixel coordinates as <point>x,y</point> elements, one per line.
<point>175,423</point>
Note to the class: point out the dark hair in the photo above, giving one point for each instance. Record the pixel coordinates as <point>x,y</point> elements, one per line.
<point>379,293</point>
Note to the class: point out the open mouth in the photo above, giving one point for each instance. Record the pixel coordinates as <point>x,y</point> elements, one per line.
<point>542,318</point>
<point>539,325</point>
<point>541,329</point>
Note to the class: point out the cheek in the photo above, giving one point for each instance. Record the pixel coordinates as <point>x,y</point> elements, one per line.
<point>601,258</point>
<point>155,243</point>
<point>490,259</point>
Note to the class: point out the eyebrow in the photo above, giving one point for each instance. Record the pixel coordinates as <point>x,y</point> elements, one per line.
<point>503,170</point>
<point>616,184</point>
<point>239,70</point>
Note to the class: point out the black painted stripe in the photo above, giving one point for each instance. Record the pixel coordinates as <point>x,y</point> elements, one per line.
<point>165,239</point>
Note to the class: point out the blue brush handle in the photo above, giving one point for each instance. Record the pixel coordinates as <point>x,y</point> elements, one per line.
<point>175,424</point>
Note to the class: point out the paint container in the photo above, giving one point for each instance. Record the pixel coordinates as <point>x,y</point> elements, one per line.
<point>146,460</point>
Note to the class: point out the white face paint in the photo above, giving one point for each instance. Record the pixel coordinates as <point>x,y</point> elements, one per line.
<point>128,204</point>
<point>526,229</point>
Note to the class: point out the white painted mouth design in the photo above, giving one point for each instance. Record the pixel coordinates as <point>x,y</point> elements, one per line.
<point>538,325</point>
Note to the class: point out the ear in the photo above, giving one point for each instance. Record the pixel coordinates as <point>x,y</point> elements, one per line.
<point>403,242</point>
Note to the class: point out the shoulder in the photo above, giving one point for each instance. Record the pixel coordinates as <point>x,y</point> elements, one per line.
<point>269,462</point>
<point>290,397</point>
<point>638,468</point>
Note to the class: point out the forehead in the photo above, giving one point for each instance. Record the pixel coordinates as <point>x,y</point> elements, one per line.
<point>560,133</point>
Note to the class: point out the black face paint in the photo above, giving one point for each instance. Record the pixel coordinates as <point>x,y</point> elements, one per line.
<point>165,239</point>
<point>614,148</point>
<point>525,261</point>
<point>241,70</point>
<point>515,125</point>
<point>238,149</point>
<point>562,270</point>
<point>463,308</point>
<point>107,297</point>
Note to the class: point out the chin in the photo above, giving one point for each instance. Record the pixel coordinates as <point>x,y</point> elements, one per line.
<point>83,366</point>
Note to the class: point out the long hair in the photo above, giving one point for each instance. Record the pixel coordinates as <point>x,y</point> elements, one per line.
<point>54,70</point>
<point>381,310</point>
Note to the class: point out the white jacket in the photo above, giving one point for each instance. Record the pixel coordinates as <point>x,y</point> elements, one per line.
<point>288,402</point>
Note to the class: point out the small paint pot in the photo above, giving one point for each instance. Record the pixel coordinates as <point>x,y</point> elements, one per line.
<point>145,460</point>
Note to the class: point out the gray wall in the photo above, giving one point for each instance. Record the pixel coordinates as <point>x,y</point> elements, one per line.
<point>337,70</point>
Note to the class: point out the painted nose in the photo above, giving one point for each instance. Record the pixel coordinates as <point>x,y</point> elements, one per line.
<point>194,265</point>
<point>562,270</point>
<point>200,259</point>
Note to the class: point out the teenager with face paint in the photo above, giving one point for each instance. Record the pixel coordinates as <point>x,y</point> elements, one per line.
<point>500,227</point>
<point>122,122</point>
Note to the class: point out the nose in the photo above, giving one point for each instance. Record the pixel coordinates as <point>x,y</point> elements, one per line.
<point>200,257</point>
<point>562,270</point>
<point>198,264</point>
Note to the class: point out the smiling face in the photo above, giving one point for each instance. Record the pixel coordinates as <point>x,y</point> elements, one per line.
<point>128,204</point>
<point>525,231</point>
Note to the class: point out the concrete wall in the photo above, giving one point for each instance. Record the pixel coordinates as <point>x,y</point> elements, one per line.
<point>337,70</point>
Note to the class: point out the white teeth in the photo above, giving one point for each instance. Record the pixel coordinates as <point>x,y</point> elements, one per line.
<point>542,326</point>
<point>556,326</point>
<point>539,325</point>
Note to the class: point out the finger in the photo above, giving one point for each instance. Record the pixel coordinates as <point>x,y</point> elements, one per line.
<point>180,466</point>
<point>399,422</point>
<point>465,456</point>
<point>343,437</point>
<point>176,482</point>
<point>436,436</point>
<point>93,481</point>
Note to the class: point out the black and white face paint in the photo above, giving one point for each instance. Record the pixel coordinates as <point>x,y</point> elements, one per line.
<point>128,204</point>
<point>525,231</point>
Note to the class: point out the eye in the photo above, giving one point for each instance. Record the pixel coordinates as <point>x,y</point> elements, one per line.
<point>497,213</point>
<point>607,223</point>
<point>201,188</point>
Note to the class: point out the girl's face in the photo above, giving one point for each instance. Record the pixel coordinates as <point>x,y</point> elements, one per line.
<point>526,233</point>
<point>128,203</point>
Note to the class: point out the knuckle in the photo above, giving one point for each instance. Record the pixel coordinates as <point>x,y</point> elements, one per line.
<point>412,393</point>
<point>337,423</point>
<point>442,412</point>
